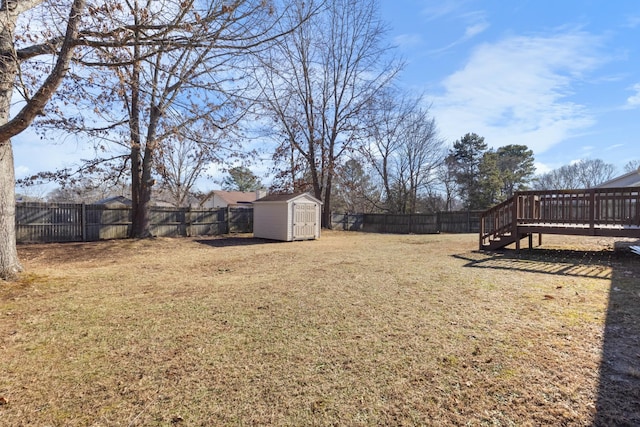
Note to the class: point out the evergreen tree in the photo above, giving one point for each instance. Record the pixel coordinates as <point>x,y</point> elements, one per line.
<point>241,179</point>
<point>515,163</point>
<point>488,189</point>
<point>464,160</point>
<point>485,177</point>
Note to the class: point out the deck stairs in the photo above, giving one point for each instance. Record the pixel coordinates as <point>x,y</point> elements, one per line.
<point>499,228</point>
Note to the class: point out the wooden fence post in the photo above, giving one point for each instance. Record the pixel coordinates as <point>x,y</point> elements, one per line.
<point>83,221</point>
<point>187,220</point>
<point>592,210</point>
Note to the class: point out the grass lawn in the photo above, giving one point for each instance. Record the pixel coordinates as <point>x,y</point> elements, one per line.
<point>351,329</point>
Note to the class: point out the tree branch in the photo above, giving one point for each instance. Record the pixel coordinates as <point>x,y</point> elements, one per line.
<point>36,104</point>
<point>47,48</point>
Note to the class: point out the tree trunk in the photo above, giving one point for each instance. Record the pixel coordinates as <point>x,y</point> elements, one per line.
<point>144,201</point>
<point>9,263</point>
<point>140,191</point>
<point>326,207</point>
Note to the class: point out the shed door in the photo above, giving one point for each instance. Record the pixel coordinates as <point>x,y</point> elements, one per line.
<point>304,221</point>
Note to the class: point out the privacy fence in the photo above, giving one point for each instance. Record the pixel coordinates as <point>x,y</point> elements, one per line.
<point>70,222</point>
<point>440,222</point>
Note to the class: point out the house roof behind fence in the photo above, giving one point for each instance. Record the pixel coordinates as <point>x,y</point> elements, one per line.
<point>631,179</point>
<point>116,200</point>
<point>235,197</point>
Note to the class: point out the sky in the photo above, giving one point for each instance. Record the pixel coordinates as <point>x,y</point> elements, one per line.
<point>561,76</point>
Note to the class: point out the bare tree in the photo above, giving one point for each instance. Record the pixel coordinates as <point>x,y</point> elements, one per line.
<point>88,189</point>
<point>404,149</point>
<point>385,120</point>
<point>594,172</point>
<point>578,175</point>
<point>179,164</point>
<point>319,81</point>
<point>632,165</point>
<point>447,182</point>
<point>562,178</point>
<point>15,52</point>
<point>157,72</point>
<point>422,151</point>
<point>355,190</point>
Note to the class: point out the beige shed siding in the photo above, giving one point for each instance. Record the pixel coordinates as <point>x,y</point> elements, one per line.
<point>268,221</point>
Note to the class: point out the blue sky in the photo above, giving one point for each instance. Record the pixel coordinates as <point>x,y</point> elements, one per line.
<point>562,77</point>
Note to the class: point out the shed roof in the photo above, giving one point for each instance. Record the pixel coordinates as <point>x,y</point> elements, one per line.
<point>285,197</point>
<point>631,179</point>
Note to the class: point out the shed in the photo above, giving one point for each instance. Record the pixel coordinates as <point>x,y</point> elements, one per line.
<point>287,217</point>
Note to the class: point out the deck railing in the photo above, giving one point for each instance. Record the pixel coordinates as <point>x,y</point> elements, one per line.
<point>497,221</point>
<point>599,211</point>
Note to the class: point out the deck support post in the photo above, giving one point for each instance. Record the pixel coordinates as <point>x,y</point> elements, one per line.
<point>592,211</point>
<point>514,220</point>
<point>481,230</point>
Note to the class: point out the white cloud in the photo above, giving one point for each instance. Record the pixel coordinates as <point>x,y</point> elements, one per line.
<point>516,91</point>
<point>436,9</point>
<point>22,171</point>
<point>459,17</point>
<point>633,21</point>
<point>634,100</point>
<point>405,41</point>
<point>475,29</point>
<point>542,168</point>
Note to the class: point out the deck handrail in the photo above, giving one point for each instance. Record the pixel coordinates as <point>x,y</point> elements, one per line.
<point>496,220</point>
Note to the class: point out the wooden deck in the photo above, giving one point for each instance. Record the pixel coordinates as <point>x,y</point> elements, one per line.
<point>592,212</point>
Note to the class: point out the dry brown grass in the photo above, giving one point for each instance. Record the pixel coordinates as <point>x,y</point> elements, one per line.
<point>352,329</point>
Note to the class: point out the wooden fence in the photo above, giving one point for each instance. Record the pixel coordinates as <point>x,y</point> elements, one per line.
<point>440,222</point>
<point>70,222</point>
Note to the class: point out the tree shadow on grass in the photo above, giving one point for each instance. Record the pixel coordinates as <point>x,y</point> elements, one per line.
<point>228,241</point>
<point>618,401</point>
